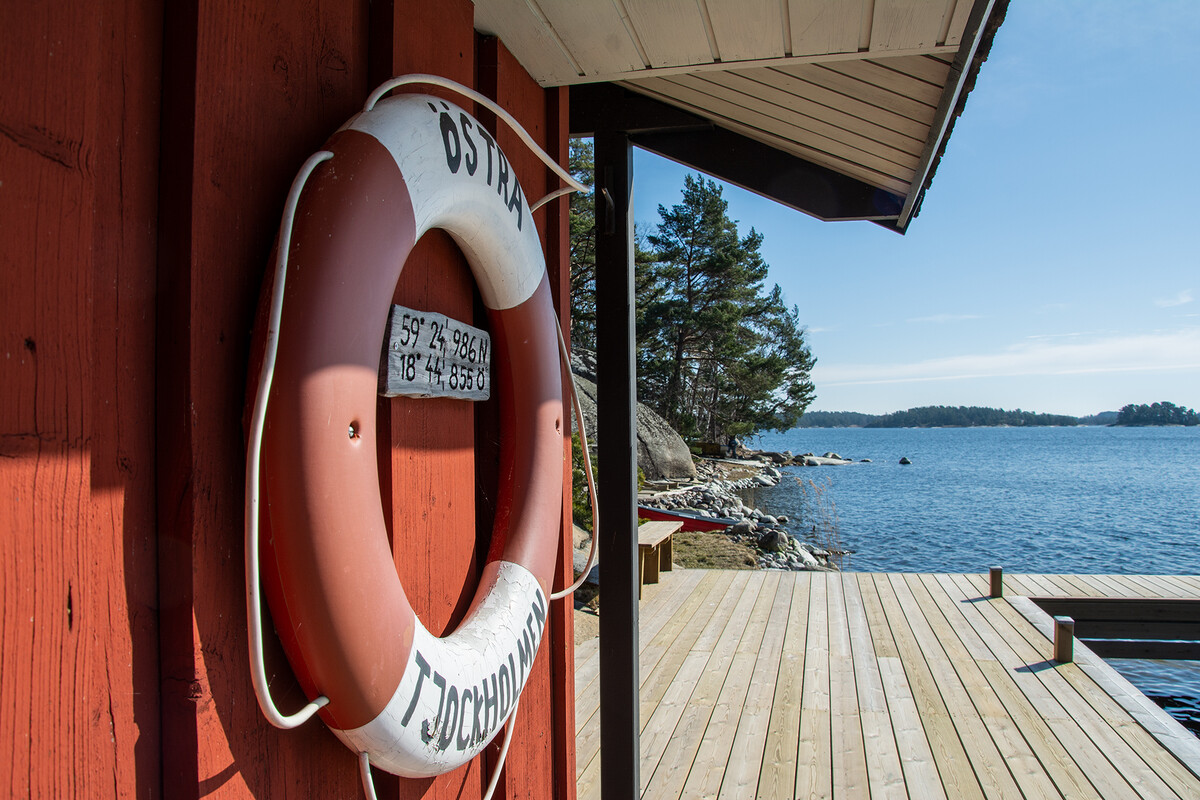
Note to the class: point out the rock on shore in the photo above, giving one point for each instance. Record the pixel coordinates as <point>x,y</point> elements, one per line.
<point>661,453</point>
<point>716,495</point>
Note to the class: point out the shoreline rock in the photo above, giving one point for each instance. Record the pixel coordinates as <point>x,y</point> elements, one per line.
<point>661,453</point>
<point>716,495</point>
<point>787,459</point>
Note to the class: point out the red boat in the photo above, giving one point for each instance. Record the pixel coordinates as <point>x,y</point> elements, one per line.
<point>691,521</point>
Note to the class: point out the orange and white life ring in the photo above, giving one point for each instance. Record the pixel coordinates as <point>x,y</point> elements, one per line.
<point>416,704</point>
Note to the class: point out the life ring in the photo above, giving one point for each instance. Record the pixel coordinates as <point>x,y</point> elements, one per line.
<point>416,704</point>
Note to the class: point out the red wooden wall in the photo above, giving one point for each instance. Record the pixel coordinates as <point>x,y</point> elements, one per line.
<point>79,706</point>
<point>145,151</point>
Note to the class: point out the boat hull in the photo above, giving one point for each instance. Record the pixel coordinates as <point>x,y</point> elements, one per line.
<point>691,522</point>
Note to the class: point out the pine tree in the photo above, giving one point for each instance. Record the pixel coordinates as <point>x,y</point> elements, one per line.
<point>717,355</point>
<point>583,246</point>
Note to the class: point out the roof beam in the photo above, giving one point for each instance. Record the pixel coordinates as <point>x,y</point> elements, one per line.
<point>696,142</point>
<point>607,107</point>
<point>774,174</point>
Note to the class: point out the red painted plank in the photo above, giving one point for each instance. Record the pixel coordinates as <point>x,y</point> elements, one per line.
<point>562,621</point>
<point>249,92</point>
<point>433,454</point>
<point>77,598</point>
<point>541,742</point>
<point>103,337</point>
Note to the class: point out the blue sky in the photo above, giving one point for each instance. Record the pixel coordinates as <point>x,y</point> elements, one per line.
<point>1054,266</point>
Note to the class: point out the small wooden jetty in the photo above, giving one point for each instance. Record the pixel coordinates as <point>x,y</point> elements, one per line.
<point>762,684</point>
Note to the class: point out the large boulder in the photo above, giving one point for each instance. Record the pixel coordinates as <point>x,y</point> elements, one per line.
<point>774,541</point>
<point>661,453</point>
<point>823,461</point>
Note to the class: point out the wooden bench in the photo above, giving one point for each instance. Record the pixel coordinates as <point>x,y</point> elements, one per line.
<point>654,550</point>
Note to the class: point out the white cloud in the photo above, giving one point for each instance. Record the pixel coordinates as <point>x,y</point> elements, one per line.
<point>1181,299</point>
<point>1152,352</point>
<point>945,318</point>
<point>1072,335</point>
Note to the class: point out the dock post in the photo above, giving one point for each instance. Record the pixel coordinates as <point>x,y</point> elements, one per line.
<point>1064,639</point>
<point>997,578</point>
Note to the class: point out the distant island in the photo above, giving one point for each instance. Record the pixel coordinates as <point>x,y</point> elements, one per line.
<point>1156,414</point>
<point>980,417</point>
<point>945,417</point>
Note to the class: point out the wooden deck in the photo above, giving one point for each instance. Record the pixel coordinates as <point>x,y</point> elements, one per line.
<point>857,685</point>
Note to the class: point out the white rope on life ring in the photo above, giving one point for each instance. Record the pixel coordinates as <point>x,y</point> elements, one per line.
<point>415,704</point>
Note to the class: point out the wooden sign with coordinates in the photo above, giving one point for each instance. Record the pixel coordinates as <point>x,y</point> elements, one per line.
<point>427,354</point>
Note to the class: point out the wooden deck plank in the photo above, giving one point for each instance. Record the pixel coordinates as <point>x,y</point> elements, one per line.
<point>946,622</point>
<point>663,598</point>
<point>1157,586</point>
<point>1146,586</point>
<point>1060,765</point>
<point>1094,585</point>
<point>1192,582</point>
<point>949,752</point>
<point>1120,588</point>
<point>1051,587</point>
<point>814,761</point>
<point>1087,729</point>
<point>982,582</point>
<point>784,685</point>
<point>1041,587</point>
<point>660,719</point>
<point>662,658</point>
<point>1165,729</point>
<point>666,689</point>
<point>1130,748</point>
<point>1165,585</point>
<point>656,608</point>
<point>1016,658</point>
<point>1020,584</point>
<point>1091,585</point>
<point>885,776</point>
<point>1072,586</point>
<point>588,661</point>
<point>921,777</point>
<point>682,588</point>
<point>713,758</point>
<point>848,746</point>
<point>966,704</point>
<point>778,776</point>
<point>672,770</point>
<point>741,779</point>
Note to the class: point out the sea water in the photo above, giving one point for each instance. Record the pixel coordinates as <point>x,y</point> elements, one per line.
<point>1057,500</point>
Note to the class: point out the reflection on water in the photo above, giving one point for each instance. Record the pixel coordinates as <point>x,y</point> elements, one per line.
<point>1173,685</point>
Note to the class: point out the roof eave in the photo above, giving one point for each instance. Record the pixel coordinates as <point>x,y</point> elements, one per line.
<point>986,18</point>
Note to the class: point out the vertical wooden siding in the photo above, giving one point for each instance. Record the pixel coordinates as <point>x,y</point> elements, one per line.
<point>130,278</point>
<point>78,187</point>
<point>248,94</point>
<point>541,767</point>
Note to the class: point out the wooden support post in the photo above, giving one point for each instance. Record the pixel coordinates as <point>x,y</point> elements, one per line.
<point>1064,639</point>
<point>996,574</point>
<point>617,436</point>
